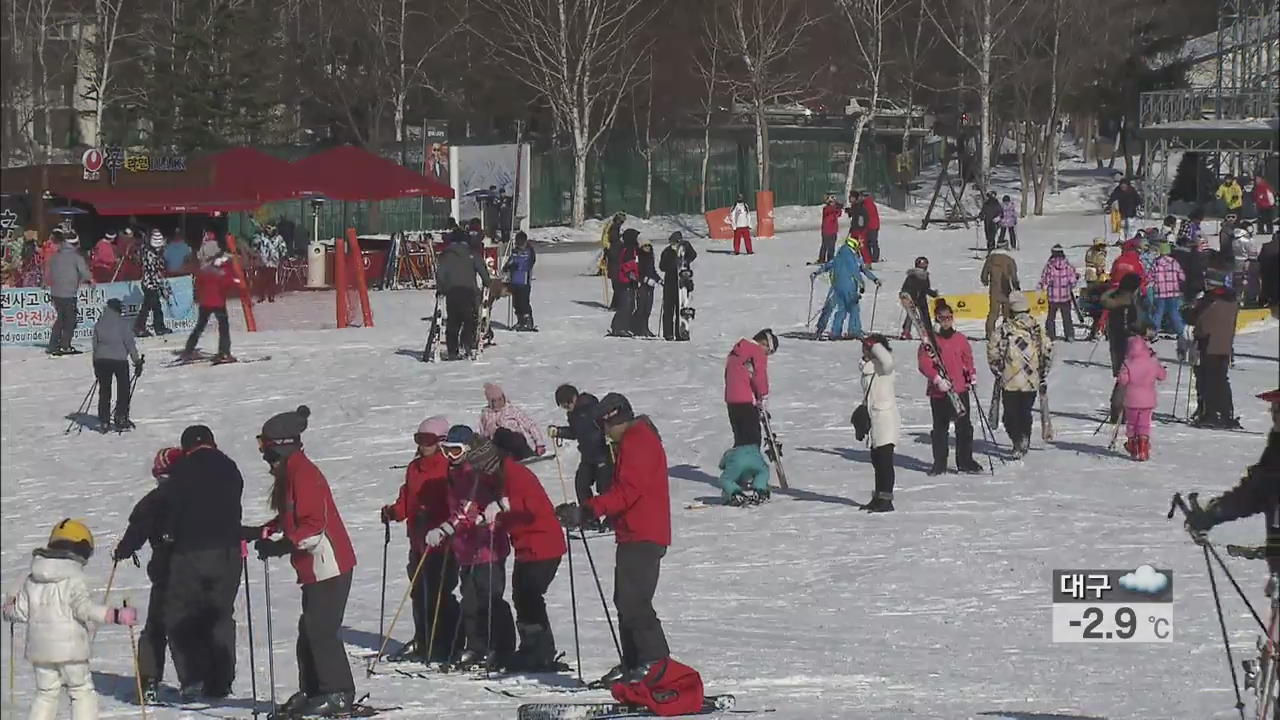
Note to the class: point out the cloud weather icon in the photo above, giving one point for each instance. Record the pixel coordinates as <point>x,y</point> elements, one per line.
<point>1145,579</point>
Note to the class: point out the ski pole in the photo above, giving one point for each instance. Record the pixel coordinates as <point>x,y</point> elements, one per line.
<point>1222,624</point>
<point>137,672</point>
<point>874,299</point>
<point>987,432</point>
<point>248,613</point>
<point>435,615</point>
<point>1176,389</point>
<point>111,579</point>
<point>271,655</point>
<point>13,657</point>
<point>813,279</point>
<point>84,408</point>
<point>568,541</point>
<point>413,581</point>
<point>382,604</point>
<point>617,645</point>
<point>488,612</point>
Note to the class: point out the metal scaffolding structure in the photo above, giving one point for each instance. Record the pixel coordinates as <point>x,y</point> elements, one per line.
<point>1235,120</point>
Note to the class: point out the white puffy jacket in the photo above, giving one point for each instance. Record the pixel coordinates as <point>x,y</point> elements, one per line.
<point>740,216</point>
<point>881,401</point>
<point>54,603</point>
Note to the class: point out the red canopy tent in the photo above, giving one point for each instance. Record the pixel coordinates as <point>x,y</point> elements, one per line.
<point>350,173</point>
<point>252,173</point>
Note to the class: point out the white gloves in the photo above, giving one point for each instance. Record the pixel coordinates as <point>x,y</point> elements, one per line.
<point>437,536</point>
<point>500,505</point>
<point>941,383</point>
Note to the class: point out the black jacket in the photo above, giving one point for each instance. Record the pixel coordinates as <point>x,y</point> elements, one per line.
<point>670,261</point>
<point>583,428</point>
<point>147,525</point>
<point>1257,492</point>
<point>648,270</point>
<point>202,495</point>
<point>917,285</point>
<point>1193,265</point>
<point>991,211</point>
<point>1127,200</point>
<point>459,267</point>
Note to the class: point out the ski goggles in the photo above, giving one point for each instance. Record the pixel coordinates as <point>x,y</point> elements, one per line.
<point>426,438</point>
<point>453,451</point>
<point>945,316</point>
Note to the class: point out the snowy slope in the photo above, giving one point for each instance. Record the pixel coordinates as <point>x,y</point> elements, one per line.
<point>806,605</point>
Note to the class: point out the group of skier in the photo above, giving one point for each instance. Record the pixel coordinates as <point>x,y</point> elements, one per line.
<point>634,273</point>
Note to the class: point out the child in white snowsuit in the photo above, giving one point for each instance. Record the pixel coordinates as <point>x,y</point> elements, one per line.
<point>54,603</point>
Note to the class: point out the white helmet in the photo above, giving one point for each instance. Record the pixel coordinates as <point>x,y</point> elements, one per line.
<point>157,239</point>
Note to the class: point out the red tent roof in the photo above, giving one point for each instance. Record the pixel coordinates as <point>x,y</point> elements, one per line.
<point>246,172</point>
<point>350,173</point>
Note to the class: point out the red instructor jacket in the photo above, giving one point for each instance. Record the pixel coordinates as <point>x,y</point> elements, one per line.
<point>639,500</point>
<point>310,520</point>
<point>424,499</point>
<point>535,532</point>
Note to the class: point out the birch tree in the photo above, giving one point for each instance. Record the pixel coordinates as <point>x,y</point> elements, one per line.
<point>707,64</point>
<point>760,40</point>
<point>101,35</point>
<point>581,57</point>
<point>867,20</point>
<point>648,142</point>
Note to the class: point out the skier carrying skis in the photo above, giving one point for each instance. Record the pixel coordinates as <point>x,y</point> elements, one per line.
<point>153,288</point>
<point>676,265</point>
<point>519,270</point>
<point>524,511</point>
<point>316,541</point>
<point>1125,199</point>
<point>1215,334</point>
<point>956,357</point>
<point>1000,276</point>
<point>1138,376</point>
<point>626,280</point>
<point>481,550</point>
<point>147,522</point>
<point>1019,354</point>
<point>740,217</point>
<point>916,286</point>
<point>54,603</point>
<point>456,275</point>
<point>595,467</point>
<point>746,385</point>
<point>423,504</point>
<point>831,212</point>
<point>639,503</point>
<point>878,381</point>
<point>508,426</point>
<point>213,281</point>
<point>1059,279</point>
<point>113,345</point>
<point>847,285</point>
<point>611,244</point>
<point>649,280</point>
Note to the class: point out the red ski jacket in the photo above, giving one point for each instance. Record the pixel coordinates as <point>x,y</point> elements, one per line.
<point>639,500</point>
<point>873,213</point>
<point>957,359</point>
<point>831,219</point>
<point>424,499</point>
<point>535,532</point>
<point>212,285</point>
<point>310,520</point>
<point>1129,262</point>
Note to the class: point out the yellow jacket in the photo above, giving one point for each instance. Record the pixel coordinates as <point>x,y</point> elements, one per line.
<point>1231,194</point>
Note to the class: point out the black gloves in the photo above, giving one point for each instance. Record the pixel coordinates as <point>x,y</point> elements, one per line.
<point>272,548</point>
<point>120,555</point>
<point>572,515</point>
<point>1201,519</point>
<point>249,533</point>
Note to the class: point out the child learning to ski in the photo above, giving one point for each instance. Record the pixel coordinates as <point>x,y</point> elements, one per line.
<point>508,426</point>
<point>1138,376</point>
<point>54,603</point>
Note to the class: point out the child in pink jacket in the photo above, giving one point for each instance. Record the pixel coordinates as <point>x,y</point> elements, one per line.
<point>508,426</point>
<point>1138,376</point>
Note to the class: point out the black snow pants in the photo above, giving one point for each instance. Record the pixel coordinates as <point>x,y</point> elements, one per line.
<point>744,421</point>
<point>460,329</point>
<point>1018,407</point>
<point>322,659</point>
<point>435,586</point>
<point>943,415</point>
<point>198,616</point>
<point>486,616</point>
<point>635,581</point>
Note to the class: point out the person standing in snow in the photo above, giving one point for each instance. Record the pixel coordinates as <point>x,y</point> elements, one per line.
<point>626,282</point>
<point>508,426</point>
<point>1008,222</point>
<point>519,270</point>
<point>676,265</point>
<point>153,288</point>
<point>1138,376</point>
<point>1129,262</point>
<point>831,211</point>
<point>1167,280</point>
<point>102,259</point>
<point>1127,200</point>
<point>649,280</point>
<point>423,504</point>
<point>526,514</point>
<point>1000,277</point>
<point>639,503</point>
<point>213,282</point>
<point>1264,198</point>
<point>878,380</point>
<point>55,606</point>
<point>746,385</point>
<point>456,277</point>
<point>611,245</point>
<point>1019,355</point>
<point>1058,280</point>
<point>917,286</point>
<point>595,466</point>
<point>271,251</point>
<point>113,346</point>
<point>740,218</point>
<point>65,272</point>
<point>990,217</point>
<point>177,253</point>
<point>1231,195</point>
<point>1095,262</point>
<point>957,359</point>
<point>847,287</point>
<point>147,522</point>
<point>1215,334</point>
<point>481,549</point>
<point>872,227</point>
<point>316,541</point>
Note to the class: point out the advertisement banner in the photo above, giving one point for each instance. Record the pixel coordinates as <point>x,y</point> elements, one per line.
<point>27,314</point>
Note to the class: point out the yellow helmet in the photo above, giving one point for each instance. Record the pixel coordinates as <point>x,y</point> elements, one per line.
<point>72,535</point>
<point>852,241</point>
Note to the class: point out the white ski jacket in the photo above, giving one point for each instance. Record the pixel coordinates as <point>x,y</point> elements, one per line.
<point>54,603</point>
<point>740,216</point>
<point>882,404</point>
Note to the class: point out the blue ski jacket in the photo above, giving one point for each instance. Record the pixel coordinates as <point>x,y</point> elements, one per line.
<point>520,264</point>
<point>845,270</point>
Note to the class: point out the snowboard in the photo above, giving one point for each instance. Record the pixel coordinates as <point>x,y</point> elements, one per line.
<point>925,330</point>
<point>684,312</point>
<point>774,447</point>
<point>711,705</point>
<point>433,334</point>
<point>1046,420</point>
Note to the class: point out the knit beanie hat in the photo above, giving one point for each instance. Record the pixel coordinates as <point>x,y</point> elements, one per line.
<point>195,436</point>
<point>493,392</point>
<point>484,455</point>
<point>1018,302</point>
<point>283,432</point>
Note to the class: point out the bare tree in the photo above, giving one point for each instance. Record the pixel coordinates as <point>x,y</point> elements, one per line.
<point>647,141</point>
<point>989,20</point>
<point>581,57</point>
<point>761,38</point>
<point>708,68</point>
<point>413,57</point>
<point>867,20</point>
<point>912,62</point>
<point>100,34</point>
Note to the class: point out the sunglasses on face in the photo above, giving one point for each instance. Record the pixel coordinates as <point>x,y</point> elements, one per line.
<point>946,318</point>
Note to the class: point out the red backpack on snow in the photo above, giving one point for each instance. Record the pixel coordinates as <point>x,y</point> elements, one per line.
<point>669,688</point>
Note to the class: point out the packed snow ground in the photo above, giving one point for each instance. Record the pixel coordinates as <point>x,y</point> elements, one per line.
<point>806,605</point>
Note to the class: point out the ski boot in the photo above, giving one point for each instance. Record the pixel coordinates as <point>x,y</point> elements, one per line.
<point>189,693</point>
<point>1226,422</point>
<point>738,499</point>
<point>969,466</point>
<point>615,674</point>
<point>189,355</point>
<point>141,332</point>
<point>411,652</point>
<point>162,330</point>
<point>224,358</point>
<point>469,660</point>
<point>150,691</point>
<point>123,423</point>
<point>1144,448</point>
<point>938,469</point>
<point>1131,447</point>
<point>291,707</point>
<point>758,496</point>
<point>329,704</point>
<point>880,502</point>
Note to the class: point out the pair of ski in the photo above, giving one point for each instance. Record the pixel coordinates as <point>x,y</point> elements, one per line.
<point>711,705</point>
<point>212,360</point>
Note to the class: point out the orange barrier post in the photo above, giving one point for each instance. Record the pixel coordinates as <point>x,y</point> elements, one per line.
<point>362,284</point>
<point>764,214</point>
<point>246,294</point>
<point>718,225</point>
<point>340,277</point>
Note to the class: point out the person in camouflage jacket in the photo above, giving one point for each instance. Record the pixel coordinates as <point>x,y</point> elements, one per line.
<point>154,288</point>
